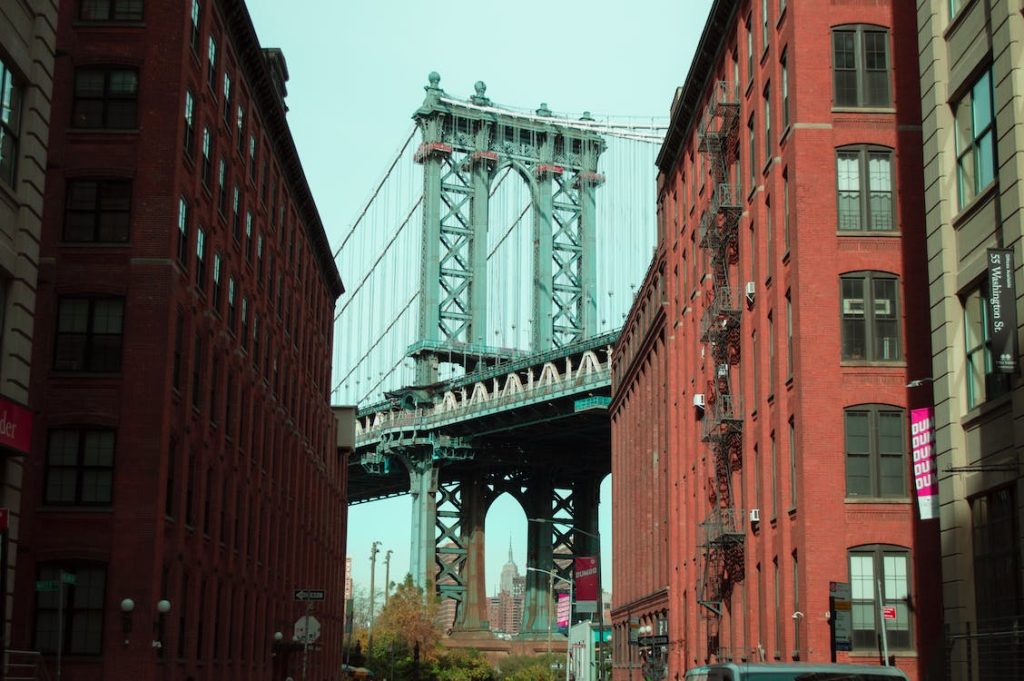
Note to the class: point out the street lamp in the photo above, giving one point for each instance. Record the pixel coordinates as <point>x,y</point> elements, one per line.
<point>373,573</point>
<point>551,596</point>
<point>600,587</point>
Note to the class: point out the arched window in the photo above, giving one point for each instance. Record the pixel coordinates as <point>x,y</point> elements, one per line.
<point>870,317</point>
<point>880,578</point>
<point>876,451</point>
<point>864,187</point>
<point>860,66</point>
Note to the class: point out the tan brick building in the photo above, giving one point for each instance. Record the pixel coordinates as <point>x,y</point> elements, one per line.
<point>27,40</point>
<point>972,70</point>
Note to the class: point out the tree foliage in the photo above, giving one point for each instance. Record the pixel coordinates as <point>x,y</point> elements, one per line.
<point>463,664</point>
<point>530,667</point>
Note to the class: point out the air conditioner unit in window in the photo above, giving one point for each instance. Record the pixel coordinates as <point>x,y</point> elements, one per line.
<point>723,370</point>
<point>751,290</point>
<point>883,307</point>
<point>698,400</point>
<point>755,515</point>
<point>853,306</point>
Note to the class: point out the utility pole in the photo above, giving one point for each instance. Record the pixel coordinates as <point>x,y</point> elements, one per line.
<point>387,577</point>
<point>373,573</point>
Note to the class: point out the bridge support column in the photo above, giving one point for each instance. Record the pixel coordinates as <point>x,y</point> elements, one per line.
<point>423,488</point>
<point>543,276</point>
<point>473,617</point>
<point>588,243</point>
<point>586,496</point>
<point>537,610</point>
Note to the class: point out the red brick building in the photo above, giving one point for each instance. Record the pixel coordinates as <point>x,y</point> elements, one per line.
<point>761,414</point>
<point>184,455</point>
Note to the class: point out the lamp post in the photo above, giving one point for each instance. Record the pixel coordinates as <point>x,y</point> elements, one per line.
<point>551,596</point>
<point>600,588</point>
<point>373,573</point>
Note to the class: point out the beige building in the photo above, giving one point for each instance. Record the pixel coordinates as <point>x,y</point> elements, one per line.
<point>27,44</point>
<point>972,68</point>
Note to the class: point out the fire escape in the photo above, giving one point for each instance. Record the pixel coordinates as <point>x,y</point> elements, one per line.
<point>721,534</point>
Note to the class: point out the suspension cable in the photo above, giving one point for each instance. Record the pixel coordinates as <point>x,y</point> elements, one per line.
<point>373,197</point>
<point>377,342</point>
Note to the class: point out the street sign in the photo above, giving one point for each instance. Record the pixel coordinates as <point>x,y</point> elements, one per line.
<point>307,629</point>
<point>310,594</point>
<point>67,578</point>
<point>657,640</point>
<point>889,612</point>
<point>47,585</point>
<point>839,594</point>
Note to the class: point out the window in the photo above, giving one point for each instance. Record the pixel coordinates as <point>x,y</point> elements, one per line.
<point>875,451</point>
<point>782,7</point>
<point>248,236</point>
<point>211,64</point>
<point>778,607</point>
<point>105,98</point>
<point>860,62</point>
<point>775,477</point>
<point>195,26</point>
<point>244,333</point>
<point>792,463</point>
<point>236,217</point>
<point>81,614</point>
<point>252,157</point>
<point>771,354</point>
<point>197,383</point>
<point>955,6</point>
<point>887,566</point>
<point>865,191</point>
<point>785,89</point>
<point>975,139</point>
<point>765,34</point>
<point>200,259</point>
<point>996,547</point>
<point>789,335</point>
<point>753,152</point>
<point>179,343</point>
<point>171,488</point>
<point>259,258</point>
<point>767,95</point>
<point>190,124</point>
<point>10,118</point>
<point>216,282</point>
<point>750,48</point>
<point>97,210</point>
<point>231,304</point>
<point>983,381</point>
<point>207,157</point>
<point>110,10</point>
<point>89,334</point>
<point>796,607</point>
<point>240,125</point>
<point>183,232</point>
<point>79,467</point>
<point>227,101</point>
<point>870,328</point>
<point>222,188</point>
<point>785,209</point>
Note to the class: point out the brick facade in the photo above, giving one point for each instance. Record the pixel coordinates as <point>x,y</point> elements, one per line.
<point>823,201</point>
<point>185,448</point>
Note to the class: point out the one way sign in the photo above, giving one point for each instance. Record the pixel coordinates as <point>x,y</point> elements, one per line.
<point>310,594</point>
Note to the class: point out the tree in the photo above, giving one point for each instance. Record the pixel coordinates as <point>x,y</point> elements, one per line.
<point>405,635</point>
<point>463,664</point>
<point>530,667</point>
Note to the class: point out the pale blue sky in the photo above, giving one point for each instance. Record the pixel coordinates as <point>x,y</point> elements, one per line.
<point>357,69</point>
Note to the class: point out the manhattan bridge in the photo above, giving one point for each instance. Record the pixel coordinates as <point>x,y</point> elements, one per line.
<point>489,274</point>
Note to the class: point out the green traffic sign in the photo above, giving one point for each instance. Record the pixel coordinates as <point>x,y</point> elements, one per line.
<point>67,578</point>
<point>47,585</point>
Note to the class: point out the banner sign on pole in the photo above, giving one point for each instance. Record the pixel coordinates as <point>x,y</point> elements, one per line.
<point>922,440</point>
<point>563,610</point>
<point>1002,306</point>
<point>586,584</point>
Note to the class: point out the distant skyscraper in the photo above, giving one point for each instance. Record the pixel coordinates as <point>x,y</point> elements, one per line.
<point>348,578</point>
<point>505,610</point>
<point>509,572</point>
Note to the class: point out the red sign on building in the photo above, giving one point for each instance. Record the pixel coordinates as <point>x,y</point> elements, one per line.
<point>889,612</point>
<point>15,426</point>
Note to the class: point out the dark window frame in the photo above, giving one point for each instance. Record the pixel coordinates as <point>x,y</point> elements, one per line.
<point>872,456</point>
<point>117,11</point>
<point>106,100</point>
<point>878,554</point>
<point>867,219</point>
<point>10,123</point>
<point>89,361</point>
<point>869,315</point>
<point>104,204</point>
<point>92,610</point>
<point>857,64</point>
<point>81,469</point>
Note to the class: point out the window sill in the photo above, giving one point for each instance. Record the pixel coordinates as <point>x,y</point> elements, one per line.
<point>764,55</point>
<point>791,512</point>
<point>975,204</point>
<point>785,134</point>
<point>985,409</point>
<point>93,244</point>
<point>767,166</point>
<point>782,17</point>
<point>891,110</point>
<point>956,21</point>
<point>75,508</point>
<point>789,384</point>
<point>901,501</point>
<point>102,131</point>
<point>886,234</point>
<point>785,257</point>
<point>862,363</point>
<point>106,25</point>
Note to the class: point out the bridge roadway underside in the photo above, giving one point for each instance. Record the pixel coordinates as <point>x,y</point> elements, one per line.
<point>551,436</point>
